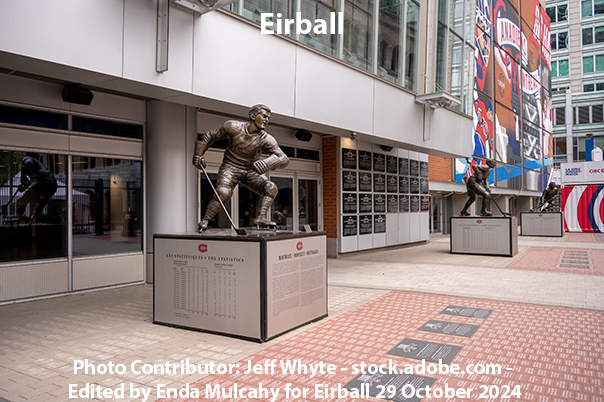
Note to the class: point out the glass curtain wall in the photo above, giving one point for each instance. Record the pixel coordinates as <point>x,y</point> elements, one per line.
<point>33,206</point>
<point>107,205</point>
<point>396,35</point>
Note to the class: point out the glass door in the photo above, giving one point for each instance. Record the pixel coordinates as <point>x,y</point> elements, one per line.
<point>283,205</point>
<point>308,203</point>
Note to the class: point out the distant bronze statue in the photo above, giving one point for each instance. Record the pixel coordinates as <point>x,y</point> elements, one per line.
<point>38,185</point>
<point>547,197</point>
<point>243,162</point>
<point>478,183</point>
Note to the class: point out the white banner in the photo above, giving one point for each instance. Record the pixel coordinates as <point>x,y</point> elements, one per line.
<point>583,172</point>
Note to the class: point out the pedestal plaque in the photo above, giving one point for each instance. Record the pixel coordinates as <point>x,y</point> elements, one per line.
<point>422,350</point>
<point>546,224</point>
<point>254,287</point>
<point>450,328</point>
<point>497,236</point>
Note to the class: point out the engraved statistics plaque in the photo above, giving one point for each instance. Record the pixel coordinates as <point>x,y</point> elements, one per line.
<point>379,183</point>
<point>208,284</point>
<point>467,312</point>
<point>349,158</point>
<point>365,203</point>
<point>391,164</point>
<point>365,224</point>
<point>350,225</point>
<point>484,235</point>
<point>364,160</point>
<point>364,181</point>
<point>430,351</point>
<point>379,203</point>
<point>349,180</point>
<point>379,162</point>
<point>450,328</point>
<point>379,223</point>
<point>403,166</point>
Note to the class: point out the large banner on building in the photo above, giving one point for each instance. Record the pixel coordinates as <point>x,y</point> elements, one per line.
<point>583,208</point>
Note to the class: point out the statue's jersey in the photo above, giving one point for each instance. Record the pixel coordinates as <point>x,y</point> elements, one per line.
<point>244,148</point>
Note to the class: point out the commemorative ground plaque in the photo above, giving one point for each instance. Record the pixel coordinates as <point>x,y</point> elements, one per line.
<point>364,160</point>
<point>254,287</point>
<point>377,384</point>
<point>488,235</point>
<point>450,328</point>
<point>379,183</point>
<point>467,312</point>
<point>546,224</point>
<point>423,350</point>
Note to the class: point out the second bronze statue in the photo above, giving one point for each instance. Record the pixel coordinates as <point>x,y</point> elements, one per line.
<point>243,162</point>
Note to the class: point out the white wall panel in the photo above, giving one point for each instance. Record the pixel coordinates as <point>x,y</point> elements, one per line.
<point>379,239</point>
<point>414,223</point>
<point>31,92</point>
<point>392,229</point>
<point>13,137</point>
<point>35,279</point>
<point>330,93</point>
<point>397,116</point>
<point>105,146</point>
<point>63,31</point>
<point>404,221</point>
<point>140,33</point>
<point>107,271</point>
<point>108,105</point>
<point>236,64</point>
<point>424,225</point>
<point>451,132</point>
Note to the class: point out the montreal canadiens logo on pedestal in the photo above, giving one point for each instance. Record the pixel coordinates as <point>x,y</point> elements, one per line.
<point>203,248</point>
<point>479,221</point>
<point>299,246</point>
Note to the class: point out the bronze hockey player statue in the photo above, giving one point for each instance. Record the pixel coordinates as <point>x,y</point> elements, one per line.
<point>547,197</point>
<point>478,183</point>
<point>243,162</point>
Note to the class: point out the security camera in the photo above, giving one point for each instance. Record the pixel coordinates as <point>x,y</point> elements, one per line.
<point>353,135</point>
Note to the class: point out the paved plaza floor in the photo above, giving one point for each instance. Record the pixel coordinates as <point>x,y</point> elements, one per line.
<point>527,328</point>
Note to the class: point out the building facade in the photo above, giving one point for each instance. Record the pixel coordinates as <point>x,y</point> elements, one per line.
<point>160,74</point>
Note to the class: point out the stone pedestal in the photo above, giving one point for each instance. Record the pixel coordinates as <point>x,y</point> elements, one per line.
<point>493,235</point>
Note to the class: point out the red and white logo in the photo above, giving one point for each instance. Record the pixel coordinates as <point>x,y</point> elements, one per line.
<point>479,221</point>
<point>203,248</point>
<point>299,246</point>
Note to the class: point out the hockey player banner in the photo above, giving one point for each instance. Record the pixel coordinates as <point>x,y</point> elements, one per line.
<point>583,208</point>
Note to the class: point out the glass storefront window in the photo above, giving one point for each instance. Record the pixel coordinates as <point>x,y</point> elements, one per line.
<point>33,207</point>
<point>253,8</point>
<point>390,21</point>
<point>283,211</point>
<point>308,211</point>
<point>107,205</point>
<point>411,44</point>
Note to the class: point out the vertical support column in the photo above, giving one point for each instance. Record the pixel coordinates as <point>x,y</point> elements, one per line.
<point>569,127</point>
<point>171,178</point>
<point>69,200</point>
<point>163,17</point>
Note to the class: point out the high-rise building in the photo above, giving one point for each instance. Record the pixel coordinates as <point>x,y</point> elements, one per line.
<point>577,43</point>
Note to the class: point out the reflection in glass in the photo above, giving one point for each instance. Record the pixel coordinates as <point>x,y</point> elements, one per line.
<point>358,32</point>
<point>319,9</point>
<point>248,205</point>
<point>308,207</point>
<point>107,200</point>
<point>389,40</point>
<point>32,206</point>
<point>411,43</point>
<point>283,214</point>
<point>253,8</point>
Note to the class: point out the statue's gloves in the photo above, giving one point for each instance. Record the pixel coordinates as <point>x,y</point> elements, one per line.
<point>22,188</point>
<point>264,165</point>
<point>199,161</point>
